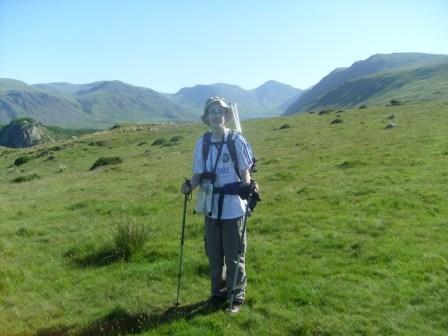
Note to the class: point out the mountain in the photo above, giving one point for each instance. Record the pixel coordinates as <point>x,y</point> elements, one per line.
<point>428,83</point>
<point>62,87</point>
<point>98,104</point>
<point>104,103</point>
<point>115,101</point>
<point>372,65</point>
<point>18,99</point>
<point>269,99</point>
<point>276,94</point>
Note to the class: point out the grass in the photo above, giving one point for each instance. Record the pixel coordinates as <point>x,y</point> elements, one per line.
<point>350,236</point>
<point>129,238</point>
<point>106,161</point>
<point>26,178</point>
<point>21,160</point>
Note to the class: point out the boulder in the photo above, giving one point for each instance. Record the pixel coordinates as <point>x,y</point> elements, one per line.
<point>23,132</point>
<point>391,125</point>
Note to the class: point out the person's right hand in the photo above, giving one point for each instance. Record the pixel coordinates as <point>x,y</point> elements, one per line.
<point>185,187</point>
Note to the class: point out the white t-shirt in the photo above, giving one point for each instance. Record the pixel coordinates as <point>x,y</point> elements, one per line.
<point>233,205</point>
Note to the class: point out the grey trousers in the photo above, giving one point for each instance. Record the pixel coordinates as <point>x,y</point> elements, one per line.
<point>222,244</point>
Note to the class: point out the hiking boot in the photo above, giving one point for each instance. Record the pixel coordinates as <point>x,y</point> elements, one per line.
<point>236,306</point>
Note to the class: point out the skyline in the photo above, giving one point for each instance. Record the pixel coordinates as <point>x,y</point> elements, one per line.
<point>166,46</point>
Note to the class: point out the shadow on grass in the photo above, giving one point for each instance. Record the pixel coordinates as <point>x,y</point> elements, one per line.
<point>100,258</point>
<point>53,332</point>
<point>120,322</point>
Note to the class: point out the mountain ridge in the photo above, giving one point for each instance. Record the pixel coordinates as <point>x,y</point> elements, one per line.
<point>373,64</point>
<point>102,104</point>
<point>423,84</point>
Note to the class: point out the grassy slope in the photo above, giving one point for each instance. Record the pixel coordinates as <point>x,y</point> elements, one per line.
<point>350,237</point>
<point>421,84</point>
<point>375,64</point>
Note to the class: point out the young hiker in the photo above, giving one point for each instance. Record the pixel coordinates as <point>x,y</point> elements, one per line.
<point>222,180</point>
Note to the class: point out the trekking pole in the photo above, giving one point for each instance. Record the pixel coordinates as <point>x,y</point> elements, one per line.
<point>240,253</point>
<point>181,253</point>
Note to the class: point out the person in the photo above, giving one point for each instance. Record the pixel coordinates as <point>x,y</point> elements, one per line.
<point>224,220</point>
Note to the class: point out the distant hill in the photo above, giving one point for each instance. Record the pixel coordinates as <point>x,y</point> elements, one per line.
<point>373,65</point>
<point>19,100</point>
<point>62,87</point>
<point>429,83</point>
<point>102,104</point>
<point>276,95</point>
<point>115,102</point>
<point>269,99</point>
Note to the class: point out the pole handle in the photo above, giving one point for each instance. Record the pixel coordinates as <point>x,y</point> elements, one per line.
<point>188,195</point>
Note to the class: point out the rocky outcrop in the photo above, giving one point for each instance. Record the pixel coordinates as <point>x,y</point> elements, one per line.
<point>24,132</point>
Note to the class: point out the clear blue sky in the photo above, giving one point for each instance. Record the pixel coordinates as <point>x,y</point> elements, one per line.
<point>169,44</point>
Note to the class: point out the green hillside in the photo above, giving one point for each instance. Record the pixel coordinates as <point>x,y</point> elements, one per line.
<point>428,83</point>
<point>20,100</point>
<point>117,102</point>
<point>349,239</point>
<point>375,64</point>
<point>93,105</point>
<point>13,84</point>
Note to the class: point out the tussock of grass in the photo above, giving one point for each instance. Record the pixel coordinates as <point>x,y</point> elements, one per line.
<point>22,160</point>
<point>25,178</point>
<point>350,164</point>
<point>129,237</point>
<point>284,126</point>
<point>100,143</point>
<point>395,102</point>
<point>23,232</point>
<point>176,138</point>
<point>106,161</point>
<point>159,142</point>
<point>127,240</point>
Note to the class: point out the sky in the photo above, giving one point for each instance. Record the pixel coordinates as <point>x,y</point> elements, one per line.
<point>169,44</point>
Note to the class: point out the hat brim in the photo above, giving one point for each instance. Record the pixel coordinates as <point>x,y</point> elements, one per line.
<point>228,117</point>
<point>229,113</point>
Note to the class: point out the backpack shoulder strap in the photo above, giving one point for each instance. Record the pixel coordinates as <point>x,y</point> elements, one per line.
<point>232,151</point>
<point>207,137</point>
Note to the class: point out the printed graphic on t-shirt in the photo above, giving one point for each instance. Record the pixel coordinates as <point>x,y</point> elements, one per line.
<point>225,157</point>
<point>223,171</point>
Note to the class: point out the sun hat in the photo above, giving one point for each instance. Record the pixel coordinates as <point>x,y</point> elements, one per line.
<point>221,102</point>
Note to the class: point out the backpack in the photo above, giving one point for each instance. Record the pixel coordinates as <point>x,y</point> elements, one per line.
<point>230,142</point>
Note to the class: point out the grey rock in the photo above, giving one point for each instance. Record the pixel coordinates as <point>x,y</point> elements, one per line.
<point>21,133</point>
<point>391,125</point>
